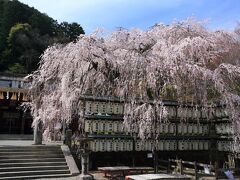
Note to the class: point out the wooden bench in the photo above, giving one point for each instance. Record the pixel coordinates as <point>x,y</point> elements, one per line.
<point>122,171</point>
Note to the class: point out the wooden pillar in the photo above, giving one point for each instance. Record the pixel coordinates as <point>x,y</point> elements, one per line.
<point>181,167</point>
<point>195,170</point>
<point>169,166</point>
<point>216,170</point>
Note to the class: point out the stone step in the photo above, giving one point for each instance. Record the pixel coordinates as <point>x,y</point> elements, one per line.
<point>28,152</point>
<point>40,147</point>
<point>33,173</point>
<point>32,164</point>
<point>16,137</point>
<point>34,168</point>
<point>30,156</point>
<point>38,177</point>
<point>32,160</point>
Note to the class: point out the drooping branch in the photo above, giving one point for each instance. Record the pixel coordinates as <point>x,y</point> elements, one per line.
<point>183,61</point>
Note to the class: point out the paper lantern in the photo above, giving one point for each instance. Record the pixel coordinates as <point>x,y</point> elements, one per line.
<point>120,109</point>
<point>200,145</point>
<point>189,145</point>
<point>172,128</point>
<point>190,128</point>
<point>218,128</point>
<point>115,108</point>
<point>181,145</point>
<point>219,146</point>
<point>86,126</point>
<point>103,108</point>
<point>88,108</point>
<point>160,145</point>
<point>120,127</point>
<point>179,126</point>
<point>195,145</point>
<point>186,145</point>
<point>115,145</point>
<point>115,126</point>
<point>200,129</point>
<point>145,145</point>
<point>166,145</point>
<point>172,145</point>
<point>161,128</point>
<point>138,145</point>
<point>205,129</point>
<point>94,126</point>
<point>110,126</point>
<point>94,107</point>
<point>171,111</point>
<point>196,114</point>
<point>205,145</point>
<point>195,129</point>
<point>189,113</point>
<point>184,128</point>
<point>100,108</point>
<point>120,142</point>
<point>166,128</point>
<point>110,108</point>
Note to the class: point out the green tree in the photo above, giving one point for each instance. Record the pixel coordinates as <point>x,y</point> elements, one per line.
<point>25,45</point>
<point>16,69</point>
<point>43,23</point>
<point>25,33</point>
<point>68,32</point>
<point>12,12</point>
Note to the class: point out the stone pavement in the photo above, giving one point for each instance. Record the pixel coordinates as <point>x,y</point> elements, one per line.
<point>97,176</point>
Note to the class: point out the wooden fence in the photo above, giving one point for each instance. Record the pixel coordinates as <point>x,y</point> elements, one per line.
<point>195,169</point>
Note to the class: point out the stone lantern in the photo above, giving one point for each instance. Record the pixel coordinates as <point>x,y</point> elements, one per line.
<point>84,151</point>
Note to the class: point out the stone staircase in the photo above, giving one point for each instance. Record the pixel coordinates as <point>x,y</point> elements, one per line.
<point>32,162</point>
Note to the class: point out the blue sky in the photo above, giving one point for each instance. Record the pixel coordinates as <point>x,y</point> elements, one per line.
<point>111,14</point>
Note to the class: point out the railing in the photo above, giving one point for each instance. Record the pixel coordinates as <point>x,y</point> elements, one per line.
<point>195,169</point>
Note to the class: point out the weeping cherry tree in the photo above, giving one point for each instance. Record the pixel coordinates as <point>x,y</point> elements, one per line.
<point>183,61</point>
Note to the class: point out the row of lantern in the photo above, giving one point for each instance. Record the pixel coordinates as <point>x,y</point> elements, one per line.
<point>224,146</point>
<point>189,113</point>
<point>102,108</point>
<point>101,126</point>
<point>16,96</point>
<point>171,112</point>
<point>166,128</point>
<point>211,113</point>
<point>161,145</point>
<point>111,145</point>
<point>224,128</point>
<point>106,126</point>
<point>107,145</point>
<point>193,129</point>
<point>193,145</point>
<point>220,112</point>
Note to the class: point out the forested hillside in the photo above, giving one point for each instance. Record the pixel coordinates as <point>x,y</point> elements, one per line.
<point>25,33</point>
